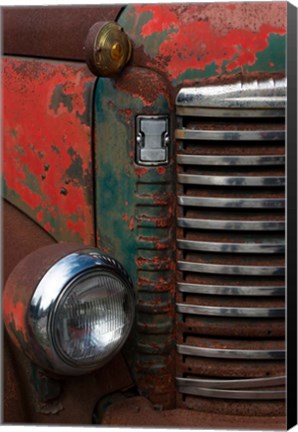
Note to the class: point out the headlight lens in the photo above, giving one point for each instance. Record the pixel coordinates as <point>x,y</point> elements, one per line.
<point>70,309</point>
<point>92,319</point>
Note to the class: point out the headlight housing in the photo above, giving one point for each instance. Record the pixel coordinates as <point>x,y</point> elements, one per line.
<point>69,308</point>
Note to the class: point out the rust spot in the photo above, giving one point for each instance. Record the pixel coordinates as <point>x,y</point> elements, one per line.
<point>156,261</point>
<point>131,223</point>
<point>127,114</point>
<point>140,85</point>
<point>158,200</point>
<point>125,217</point>
<point>161,170</point>
<point>140,171</point>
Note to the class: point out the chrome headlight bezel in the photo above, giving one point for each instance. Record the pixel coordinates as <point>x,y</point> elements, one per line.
<point>39,340</point>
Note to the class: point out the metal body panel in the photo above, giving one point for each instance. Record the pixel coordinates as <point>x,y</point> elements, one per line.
<point>51,32</point>
<point>229,38</point>
<point>47,153</point>
<point>135,207</point>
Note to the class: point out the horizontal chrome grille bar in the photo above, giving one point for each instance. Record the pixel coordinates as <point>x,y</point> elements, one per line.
<point>231,290</point>
<point>230,160</point>
<point>231,269</point>
<point>233,394</point>
<point>231,353</point>
<point>273,247</point>
<point>232,135</point>
<point>231,311</point>
<point>229,113</point>
<point>263,94</point>
<point>231,202</point>
<point>217,224</point>
<point>216,180</point>
<point>232,383</point>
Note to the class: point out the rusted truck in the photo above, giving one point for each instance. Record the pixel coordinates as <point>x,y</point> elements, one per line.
<point>144,215</point>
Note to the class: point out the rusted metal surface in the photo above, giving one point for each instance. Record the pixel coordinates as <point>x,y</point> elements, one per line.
<point>47,153</point>
<point>14,405</point>
<point>80,394</point>
<point>138,412</point>
<point>78,398</point>
<point>52,32</point>
<point>246,409</point>
<point>197,41</point>
<point>211,367</point>
<point>18,243</point>
<point>136,224</point>
<point>234,327</point>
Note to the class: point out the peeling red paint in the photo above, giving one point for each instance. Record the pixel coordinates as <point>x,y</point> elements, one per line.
<point>195,36</point>
<point>140,171</point>
<point>48,227</point>
<point>131,223</point>
<point>125,217</point>
<point>39,216</point>
<point>161,170</point>
<point>47,160</point>
<point>75,227</point>
<point>15,315</point>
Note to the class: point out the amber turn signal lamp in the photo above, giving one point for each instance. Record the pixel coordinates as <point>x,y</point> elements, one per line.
<point>107,49</point>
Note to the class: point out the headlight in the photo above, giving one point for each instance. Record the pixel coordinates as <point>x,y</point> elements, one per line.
<point>72,311</point>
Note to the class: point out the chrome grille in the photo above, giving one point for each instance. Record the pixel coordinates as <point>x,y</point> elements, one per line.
<point>231,241</point>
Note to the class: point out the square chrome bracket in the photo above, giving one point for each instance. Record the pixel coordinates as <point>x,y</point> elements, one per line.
<point>152,140</point>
